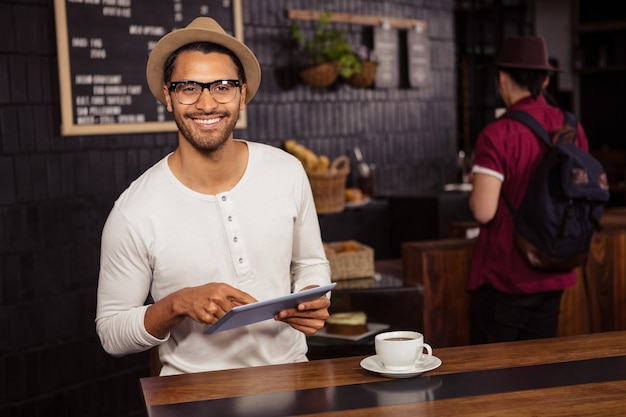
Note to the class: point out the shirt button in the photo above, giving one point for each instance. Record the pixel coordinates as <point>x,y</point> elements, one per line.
<point>223,198</point>
<point>240,260</point>
<point>235,239</point>
<point>230,218</point>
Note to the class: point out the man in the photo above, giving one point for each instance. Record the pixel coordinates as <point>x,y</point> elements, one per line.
<point>217,223</point>
<point>509,299</point>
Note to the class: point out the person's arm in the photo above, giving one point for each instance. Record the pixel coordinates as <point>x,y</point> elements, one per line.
<point>309,266</point>
<point>123,287</point>
<point>484,197</point>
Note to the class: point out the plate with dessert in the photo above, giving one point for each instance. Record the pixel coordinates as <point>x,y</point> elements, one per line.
<point>356,198</point>
<point>350,325</point>
<point>373,364</point>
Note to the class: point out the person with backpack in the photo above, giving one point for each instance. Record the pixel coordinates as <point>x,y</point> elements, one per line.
<point>510,299</point>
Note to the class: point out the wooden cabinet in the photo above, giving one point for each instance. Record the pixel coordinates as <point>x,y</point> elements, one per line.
<point>442,267</point>
<point>601,47</point>
<point>599,36</point>
<point>599,62</point>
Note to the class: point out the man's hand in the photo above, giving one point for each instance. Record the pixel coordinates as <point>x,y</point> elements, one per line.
<point>308,317</point>
<point>205,304</point>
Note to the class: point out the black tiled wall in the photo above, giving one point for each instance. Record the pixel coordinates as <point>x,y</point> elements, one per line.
<point>408,133</point>
<point>55,192</point>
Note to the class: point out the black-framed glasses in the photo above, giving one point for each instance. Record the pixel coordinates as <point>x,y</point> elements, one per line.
<point>189,92</point>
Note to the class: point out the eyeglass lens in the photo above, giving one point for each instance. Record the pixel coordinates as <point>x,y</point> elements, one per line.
<point>222,91</point>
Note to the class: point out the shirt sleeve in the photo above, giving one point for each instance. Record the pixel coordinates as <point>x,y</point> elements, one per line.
<point>309,265</point>
<point>486,159</point>
<point>123,287</point>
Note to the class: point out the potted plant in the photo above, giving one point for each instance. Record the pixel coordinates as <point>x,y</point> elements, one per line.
<point>367,75</point>
<point>326,55</point>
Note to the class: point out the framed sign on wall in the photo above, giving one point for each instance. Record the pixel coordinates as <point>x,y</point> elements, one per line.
<point>103,47</point>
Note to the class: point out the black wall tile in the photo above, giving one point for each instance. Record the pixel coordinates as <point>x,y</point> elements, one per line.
<point>5,96</point>
<point>7,28</point>
<point>7,181</point>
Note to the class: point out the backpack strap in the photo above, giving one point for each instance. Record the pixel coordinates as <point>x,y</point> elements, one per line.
<point>539,131</point>
<point>531,123</point>
<point>567,133</point>
<point>570,120</point>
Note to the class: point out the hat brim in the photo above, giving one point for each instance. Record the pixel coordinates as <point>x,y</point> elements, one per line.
<point>520,66</point>
<point>202,29</point>
<point>530,67</point>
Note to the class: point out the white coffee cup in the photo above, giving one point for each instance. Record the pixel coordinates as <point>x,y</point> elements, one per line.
<point>402,350</point>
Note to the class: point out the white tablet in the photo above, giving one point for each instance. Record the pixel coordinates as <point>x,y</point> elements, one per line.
<point>265,310</point>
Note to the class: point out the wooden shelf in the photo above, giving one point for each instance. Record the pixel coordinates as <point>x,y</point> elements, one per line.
<point>605,26</point>
<point>598,70</point>
<point>296,14</point>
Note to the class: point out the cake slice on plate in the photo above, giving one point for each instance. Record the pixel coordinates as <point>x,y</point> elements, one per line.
<point>347,324</point>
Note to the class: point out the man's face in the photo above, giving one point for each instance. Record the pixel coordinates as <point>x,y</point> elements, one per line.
<point>206,124</point>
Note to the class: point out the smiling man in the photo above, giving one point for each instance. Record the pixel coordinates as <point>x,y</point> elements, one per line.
<point>217,223</point>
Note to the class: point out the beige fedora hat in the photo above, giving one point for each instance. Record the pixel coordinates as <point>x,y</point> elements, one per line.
<point>202,29</point>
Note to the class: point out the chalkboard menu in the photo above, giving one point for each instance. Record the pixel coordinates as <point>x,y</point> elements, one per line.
<point>103,48</point>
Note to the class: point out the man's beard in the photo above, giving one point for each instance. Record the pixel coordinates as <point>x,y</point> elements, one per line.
<point>206,142</point>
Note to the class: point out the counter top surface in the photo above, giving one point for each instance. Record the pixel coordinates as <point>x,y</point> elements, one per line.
<point>567,376</point>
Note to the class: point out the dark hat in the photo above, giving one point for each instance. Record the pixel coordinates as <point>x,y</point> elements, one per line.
<point>524,52</point>
<point>202,29</point>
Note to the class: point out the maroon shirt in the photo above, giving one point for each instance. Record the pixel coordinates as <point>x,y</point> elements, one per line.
<point>508,148</point>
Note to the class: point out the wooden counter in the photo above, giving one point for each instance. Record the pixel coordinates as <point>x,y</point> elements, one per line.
<point>595,304</point>
<point>569,376</point>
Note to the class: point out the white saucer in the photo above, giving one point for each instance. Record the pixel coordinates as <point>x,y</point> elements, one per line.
<point>373,364</point>
<point>360,203</point>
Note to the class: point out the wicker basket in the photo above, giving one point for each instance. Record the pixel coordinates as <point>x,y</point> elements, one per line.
<point>351,265</point>
<point>329,186</point>
<point>355,283</point>
<point>320,76</point>
<point>366,77</point>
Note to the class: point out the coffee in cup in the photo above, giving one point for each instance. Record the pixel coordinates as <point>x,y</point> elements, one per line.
<point>401,350</point>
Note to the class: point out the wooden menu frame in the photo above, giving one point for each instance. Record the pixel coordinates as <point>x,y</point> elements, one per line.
<point>70,123</point>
